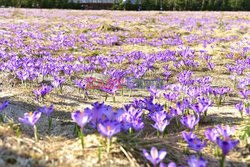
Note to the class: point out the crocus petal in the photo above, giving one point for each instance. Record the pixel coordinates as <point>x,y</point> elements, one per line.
<point>162,155</point>
<point>171,164</point>
<point>226,145</point>
<point>154,153</point>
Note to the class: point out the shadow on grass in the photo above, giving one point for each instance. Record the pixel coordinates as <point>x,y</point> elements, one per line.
<point>62,124</point>
<point>12,158</point>
<point>176,152</point>
<point>222,118</point>
<point>136,142</point>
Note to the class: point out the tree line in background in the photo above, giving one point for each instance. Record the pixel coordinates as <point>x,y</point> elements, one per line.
<point>213,5</point>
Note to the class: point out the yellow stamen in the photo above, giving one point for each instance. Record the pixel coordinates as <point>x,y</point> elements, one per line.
<point>108,128</point>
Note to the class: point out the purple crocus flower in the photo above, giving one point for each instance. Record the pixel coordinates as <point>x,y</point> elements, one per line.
<point>161,120</point>
<point>210,65</point>
<point>171,96</point>
<point>130,82</point>
<point>226,145</point>
<point>153,92</point>
<point>22,75</point>
<point>171,164</point>
<point>243,83</point>
<point>198,108</point>
<point>188,136</point>
<point>247,110</point>
<point>185,103</point>
<point>173,112</point>
<point>245,93</point>
<point>30,118</point>
<point>162,165</point>
<point>111,90</point>
<point>80,83</point>
<point>225,131</point>
<point>196,162</point>
<point>137,124</point>
<point>185,78</point>
<point>4,105</point>
<point>110,115</point>
<point>82,118</point>
<point>138,104</point>
<point>45,89</point>
<point>212,134</point>
<point>190,121</point>
<point>58,82</point>
<point>206,102</point>
<point>47,110</point>
<point>109,128</point>
<point>194,143</point>
<point>133,116</point>
<point>167,74</point>
<point>181,106</point>
<point>98,111</point>
<point>152,107</point>
<point>240,107</point>
<point>154,157</point>
<point>220,91</point>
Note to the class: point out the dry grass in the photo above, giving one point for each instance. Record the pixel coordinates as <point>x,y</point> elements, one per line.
<point>61,147</point>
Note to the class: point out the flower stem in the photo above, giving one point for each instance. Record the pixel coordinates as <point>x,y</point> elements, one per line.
<point>205,113</point>
<point>165,132</point>
<point>108,145</point>
<point>42,100</point>
<point>81,136</point>
<point>222,162</point>
<point>1,118</point>
<point>61,89</point>
<point>130,130</point>
<point>158,133</point>
<point>130,91</point>
<point>50,123</point>
<point>114,98</point>
<point>35,133</point>
<point>165,105</point>
<point>75,129</point>
<point>99,153</point>
<point>18,132</point>
<point>106,97</point>
<point>177,122</point>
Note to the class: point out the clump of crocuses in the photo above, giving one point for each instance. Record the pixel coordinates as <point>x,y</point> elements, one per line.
<point>161,119</point>
<point>193,141</point>
<point>241,107</point>
<point>42,92</point>
<point>221,135</point>
<point>58,83</point>
<point>82,85</point>
<point>31,120</point>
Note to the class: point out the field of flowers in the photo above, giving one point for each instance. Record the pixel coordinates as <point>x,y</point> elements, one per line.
<point>116,88</point>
